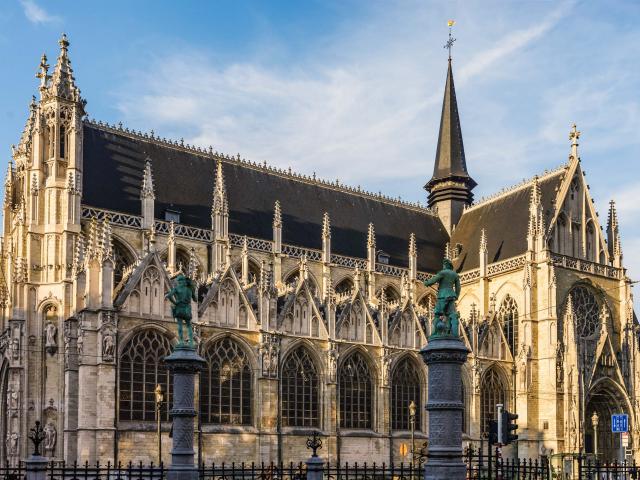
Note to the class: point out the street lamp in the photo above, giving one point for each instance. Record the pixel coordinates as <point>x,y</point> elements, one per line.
<point>159,403</point>
<point>412,423</point>
<point>594,422</point>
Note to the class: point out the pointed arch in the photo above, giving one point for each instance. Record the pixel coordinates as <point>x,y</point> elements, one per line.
<point>141,369</point>
<point>508,317</point>
<point>226,385</point>
<point>355,392</point>
<point>300,389</point>
<point>406,387</point>
<point>493,390</point>
<point>123,256</point>
<point>344,286</point>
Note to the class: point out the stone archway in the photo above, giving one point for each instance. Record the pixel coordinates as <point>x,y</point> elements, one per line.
<point>605,398</point>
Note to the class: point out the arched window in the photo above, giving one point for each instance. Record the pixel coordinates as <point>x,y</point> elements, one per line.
<point>493,392</point>
<point>391,295</point>
<point>356,393</point>
<point>345,287</point>
<point>182,260</point>
<point>508,316</point>
<point>586,311</point>
<point>225,385</point>
<point>122,259</point>
<point>141,369</point>
<point>300,390</point>
<point>405,388</point>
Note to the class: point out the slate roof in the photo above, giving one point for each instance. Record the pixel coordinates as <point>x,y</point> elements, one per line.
<point>505,220</point>
<point>112,177</point>
<point>450,159</point>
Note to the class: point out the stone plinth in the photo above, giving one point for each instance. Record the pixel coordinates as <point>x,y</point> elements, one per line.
<point>444,357</point>
<point>36,467</point>
<point>184,363</point>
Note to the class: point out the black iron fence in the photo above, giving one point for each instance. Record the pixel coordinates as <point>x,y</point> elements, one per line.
<point>493,466</point>
<point>589,469</point>
<point>479,467</point>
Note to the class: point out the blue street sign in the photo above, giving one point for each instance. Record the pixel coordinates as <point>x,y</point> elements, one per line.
<point>619,423</point>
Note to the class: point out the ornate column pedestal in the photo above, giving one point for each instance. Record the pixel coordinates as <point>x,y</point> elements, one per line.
<point>444,357</point>
<point>184,363</point>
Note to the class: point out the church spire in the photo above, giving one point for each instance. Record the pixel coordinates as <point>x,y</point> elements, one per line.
<point>613,236</point>
<point>450,187</point>
<point>62,82</point>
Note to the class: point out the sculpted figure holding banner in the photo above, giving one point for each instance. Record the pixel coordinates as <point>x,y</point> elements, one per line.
<point>180,297</point>
<point>445,321</point>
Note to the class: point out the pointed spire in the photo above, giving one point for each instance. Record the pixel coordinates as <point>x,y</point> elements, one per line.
<point>220,205</point>
<point>412,245</point>
<point>147,190</point>
<point>192,268</point>
<point>62,82</point>
<point>574,136</point>
<point>371,236</point>
<point>326,226</point>
<point>78,255</point>
<point>8,185</point>
<point>536,216</point>
<point>483,241</point>
<point>277,215</point>
<point>613,236</point>
<point>106,241</point>
<point>451,183</point>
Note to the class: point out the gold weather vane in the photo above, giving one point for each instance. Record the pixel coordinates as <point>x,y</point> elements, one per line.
<point>449,43</point>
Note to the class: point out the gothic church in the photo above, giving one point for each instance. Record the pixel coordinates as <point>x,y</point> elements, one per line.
<point>311,309</point>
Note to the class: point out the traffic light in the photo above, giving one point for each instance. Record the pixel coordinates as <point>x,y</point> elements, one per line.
<point>493,432</point>
<point>508,426</point>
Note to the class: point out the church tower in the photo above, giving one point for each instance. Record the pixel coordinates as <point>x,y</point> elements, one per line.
<point>450,187</point>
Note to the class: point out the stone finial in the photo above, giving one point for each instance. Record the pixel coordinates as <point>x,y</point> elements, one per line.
<point>613,234</point>
<point>192,268</point>
<point>574,136</point>
<point>147,190</point>
<point>326,225</point>
<point>483,241</point>
<point>219,204</point>
<point>371,236</point>
<point>62,81</point>
<point>277,215</point>
<point>106,241</point>
<point>412,245</point>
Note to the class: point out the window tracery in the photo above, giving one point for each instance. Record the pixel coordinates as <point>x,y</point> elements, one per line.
<point>405,388</point>
<point>141,369</point>
<point>226,384</point>
<point>355,392</point>
<point>586,310</point>
<point>300,390</point>
<point>493,392</point>
<point>508,316</point>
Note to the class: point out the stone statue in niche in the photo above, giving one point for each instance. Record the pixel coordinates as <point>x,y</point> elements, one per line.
<point>12,444</point>
<point>51,338</point>
<point>15,348</point>
<point>50,438</point>
<point>108,347</point>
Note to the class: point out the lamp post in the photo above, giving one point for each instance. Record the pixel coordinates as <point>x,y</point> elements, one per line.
<point>594,422</point>
<point>159,403</point>
<point>412,423</point>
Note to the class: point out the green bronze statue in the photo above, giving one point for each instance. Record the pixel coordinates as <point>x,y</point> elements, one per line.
<point>180,297</point>
<point>445,322</point>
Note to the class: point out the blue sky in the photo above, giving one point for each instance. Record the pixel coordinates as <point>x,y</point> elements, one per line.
<point>353,89</point>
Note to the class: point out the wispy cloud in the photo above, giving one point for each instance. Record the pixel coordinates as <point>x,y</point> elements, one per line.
<point>364,106</point>
<point>36,14</point>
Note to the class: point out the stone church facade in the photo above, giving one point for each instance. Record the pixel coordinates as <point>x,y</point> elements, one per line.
<point>311,309</point>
